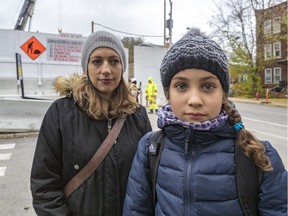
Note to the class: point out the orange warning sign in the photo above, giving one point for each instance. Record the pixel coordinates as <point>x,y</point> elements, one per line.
<point>33,48</point>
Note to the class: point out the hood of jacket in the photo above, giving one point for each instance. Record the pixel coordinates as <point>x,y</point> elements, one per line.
<point>64,85</point>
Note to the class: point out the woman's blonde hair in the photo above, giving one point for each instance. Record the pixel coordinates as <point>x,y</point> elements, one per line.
<point>251,146</point>
<point>96,106</point>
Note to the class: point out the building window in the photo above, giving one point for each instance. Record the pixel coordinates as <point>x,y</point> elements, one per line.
<point>242,78</point>
<point>267,27</point>
<point>277,50</point>
<point>276,25</point>
<point>268,51</point>
<point>268,76</point>
<point>277,75</point>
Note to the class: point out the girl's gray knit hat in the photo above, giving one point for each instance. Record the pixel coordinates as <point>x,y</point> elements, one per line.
<point>195,50</point>
<point>102,39</point>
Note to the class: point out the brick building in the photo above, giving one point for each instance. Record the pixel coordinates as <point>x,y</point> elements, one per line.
<point>271,45</point>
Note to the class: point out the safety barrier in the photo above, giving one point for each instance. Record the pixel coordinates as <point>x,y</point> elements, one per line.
<point>22,115</point>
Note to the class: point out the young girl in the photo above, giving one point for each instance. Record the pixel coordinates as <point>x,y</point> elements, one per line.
<point>197,172</point>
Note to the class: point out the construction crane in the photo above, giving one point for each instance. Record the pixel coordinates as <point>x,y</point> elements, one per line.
<point>25,14</point>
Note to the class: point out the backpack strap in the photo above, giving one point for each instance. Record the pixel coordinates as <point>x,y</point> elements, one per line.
<point>248,180</point>
<point>155,149</point>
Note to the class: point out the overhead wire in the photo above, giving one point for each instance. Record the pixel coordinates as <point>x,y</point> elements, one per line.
<point>123,32</point>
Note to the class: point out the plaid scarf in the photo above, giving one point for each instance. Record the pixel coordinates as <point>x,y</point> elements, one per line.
<point>167,117</point>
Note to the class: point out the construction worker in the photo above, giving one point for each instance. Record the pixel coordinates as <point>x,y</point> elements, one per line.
<point>151,95</point>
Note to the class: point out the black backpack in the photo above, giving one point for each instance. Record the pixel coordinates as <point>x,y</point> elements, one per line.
<point>248,176</point>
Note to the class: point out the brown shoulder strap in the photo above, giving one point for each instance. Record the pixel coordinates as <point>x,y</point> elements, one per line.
<point>96,160</point>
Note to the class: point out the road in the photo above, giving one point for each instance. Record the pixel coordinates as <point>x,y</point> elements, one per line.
<point>16,156</point>
<point>266,122</point>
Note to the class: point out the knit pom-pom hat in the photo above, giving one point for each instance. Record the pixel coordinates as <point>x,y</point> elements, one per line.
<point>195,50</point>
<point>102,39</point>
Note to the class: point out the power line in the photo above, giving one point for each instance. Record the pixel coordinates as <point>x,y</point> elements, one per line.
<point>140,35</point>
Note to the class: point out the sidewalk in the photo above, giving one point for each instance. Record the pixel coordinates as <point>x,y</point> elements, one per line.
<point>271,102</point>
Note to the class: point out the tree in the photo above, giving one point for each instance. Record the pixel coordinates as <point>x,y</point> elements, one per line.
<point>129,43</point>
<point>235,28</point>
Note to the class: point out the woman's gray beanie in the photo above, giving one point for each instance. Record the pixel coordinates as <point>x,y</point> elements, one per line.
<point>102,39</point>
<point>194,50</point>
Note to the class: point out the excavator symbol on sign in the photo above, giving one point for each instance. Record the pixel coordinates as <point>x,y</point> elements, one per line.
<point>31,50</point>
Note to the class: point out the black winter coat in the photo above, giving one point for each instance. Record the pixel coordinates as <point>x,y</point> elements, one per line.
<point>68,138</point>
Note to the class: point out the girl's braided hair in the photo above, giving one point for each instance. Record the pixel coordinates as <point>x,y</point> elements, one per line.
<point>251,147</point>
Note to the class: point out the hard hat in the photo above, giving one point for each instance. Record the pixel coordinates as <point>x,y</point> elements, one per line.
<point>133,79</point>
<point>149,78</point>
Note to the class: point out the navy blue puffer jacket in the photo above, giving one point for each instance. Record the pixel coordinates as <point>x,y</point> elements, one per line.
<point>196,177</point>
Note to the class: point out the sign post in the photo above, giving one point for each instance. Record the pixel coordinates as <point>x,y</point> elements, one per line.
<point>19,73</point>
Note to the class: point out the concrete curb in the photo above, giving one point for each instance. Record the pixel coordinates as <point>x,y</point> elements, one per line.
<point>261,102</point>
<point>18,135</point>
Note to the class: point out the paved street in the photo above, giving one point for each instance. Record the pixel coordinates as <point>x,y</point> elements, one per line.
<point>15,166</point>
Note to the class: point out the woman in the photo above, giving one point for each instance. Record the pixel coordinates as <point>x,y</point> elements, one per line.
<point>74,128</point>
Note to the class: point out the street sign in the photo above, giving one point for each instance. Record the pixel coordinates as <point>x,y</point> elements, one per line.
<point>33,48</point>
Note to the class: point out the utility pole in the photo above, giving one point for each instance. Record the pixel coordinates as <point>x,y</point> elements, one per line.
<point>164,23</point>
<point>168,24</point>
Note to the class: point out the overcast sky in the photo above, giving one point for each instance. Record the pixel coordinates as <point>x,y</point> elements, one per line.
<point>144,17</point>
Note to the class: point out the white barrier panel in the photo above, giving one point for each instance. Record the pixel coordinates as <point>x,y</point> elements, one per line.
<point>22,115</point>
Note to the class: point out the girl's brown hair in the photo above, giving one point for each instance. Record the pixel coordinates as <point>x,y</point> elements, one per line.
<point>96,106</point>
<point>251,147</point>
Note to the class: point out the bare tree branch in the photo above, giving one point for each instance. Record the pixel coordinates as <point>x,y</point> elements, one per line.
<point>234,25</point>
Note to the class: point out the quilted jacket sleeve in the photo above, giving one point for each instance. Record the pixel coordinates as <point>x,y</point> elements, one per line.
<point>138,199</point>
<point>273,190</point>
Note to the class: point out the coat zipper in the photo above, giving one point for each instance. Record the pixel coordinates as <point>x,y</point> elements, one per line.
<point>190,164</point>
<point>109,125</point>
